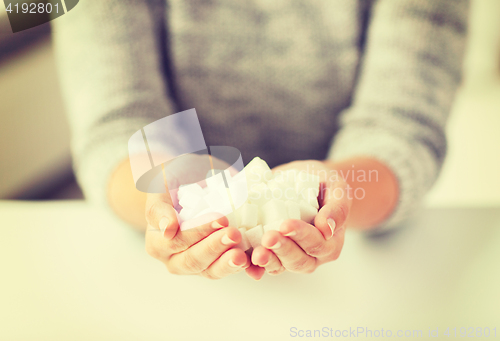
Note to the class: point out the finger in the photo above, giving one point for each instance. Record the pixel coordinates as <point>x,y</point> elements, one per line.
<point>307,237</point>
<point>161,216</point>
<point>338,239</point>
<point>255,272</point>
<point>335,203</point>
<point>291,256</point>
<point>162,248</point>
<point>202,220</point>
<point>230,262</point>
<point>267,260</point>
<point>199,256</point>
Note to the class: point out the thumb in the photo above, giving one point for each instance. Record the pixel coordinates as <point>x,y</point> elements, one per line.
<point>335,200</point>
<point>161,215</point>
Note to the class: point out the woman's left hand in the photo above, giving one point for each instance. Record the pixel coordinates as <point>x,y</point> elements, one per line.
<point>302,247</point>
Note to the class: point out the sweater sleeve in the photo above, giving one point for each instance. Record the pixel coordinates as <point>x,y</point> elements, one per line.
<point>110,66</point>
<point>409,74</point>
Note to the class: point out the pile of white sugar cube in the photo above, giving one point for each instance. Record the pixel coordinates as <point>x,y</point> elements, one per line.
<point>254,200</point>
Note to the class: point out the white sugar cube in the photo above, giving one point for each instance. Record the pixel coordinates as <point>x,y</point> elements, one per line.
<point>245,243</point>
<point>284,180</point>
<point>272,211</point>
<point>190,200</point>
<point>277,191</point>
<point>304,188</point>
<point>275,225</point>
<point>232,219</point>
<point>240,176</point>
<point>249,214</point>
<point>306,181</point>
<point>290,194</point>
<point>293,209</point>
<point>310,196</point>
<point>218,201</point>
<point>254,235</point>
<point>307,212</point>
<point>186,214</point>
<point>215,181</point>
<point>239,192</point>
<point>199,207</point>
<point>257,197</point>
<point>257,171</point>
<point>203,212</point>
<point>201,218</point>
<point>281,189</point>
<point>190,188</point>
<point>259,194</point>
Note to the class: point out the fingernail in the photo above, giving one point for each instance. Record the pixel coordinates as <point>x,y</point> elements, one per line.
<point>275,246</point>
<point>331,224</point>
<point>163,224</point>
<point>231,264</point>
<point>226,240</point>
<point>290,234</point>
<point>216,225</point>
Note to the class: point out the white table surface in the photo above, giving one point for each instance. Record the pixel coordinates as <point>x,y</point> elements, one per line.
<point>69,272</point>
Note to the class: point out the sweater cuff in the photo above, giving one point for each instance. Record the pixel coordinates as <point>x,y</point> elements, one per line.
<point>412,163</point>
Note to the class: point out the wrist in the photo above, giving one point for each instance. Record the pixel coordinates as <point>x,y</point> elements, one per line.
<point>374,190</point>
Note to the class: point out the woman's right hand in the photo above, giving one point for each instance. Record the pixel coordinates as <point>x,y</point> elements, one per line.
<point>205,245</point>
<point>205,250</point>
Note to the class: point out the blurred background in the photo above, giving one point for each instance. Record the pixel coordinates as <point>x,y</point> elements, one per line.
<point>35,139</point>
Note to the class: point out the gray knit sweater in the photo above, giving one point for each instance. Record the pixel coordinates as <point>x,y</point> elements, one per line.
<point>283,80</point>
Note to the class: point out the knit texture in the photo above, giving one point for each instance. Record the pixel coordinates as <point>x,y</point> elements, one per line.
<point>283,80</point>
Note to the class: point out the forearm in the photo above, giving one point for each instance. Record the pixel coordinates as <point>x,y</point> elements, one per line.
<point>125,200</point>
<point>374,189</point>
<point>401,102</point>
<point>110,65</point>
